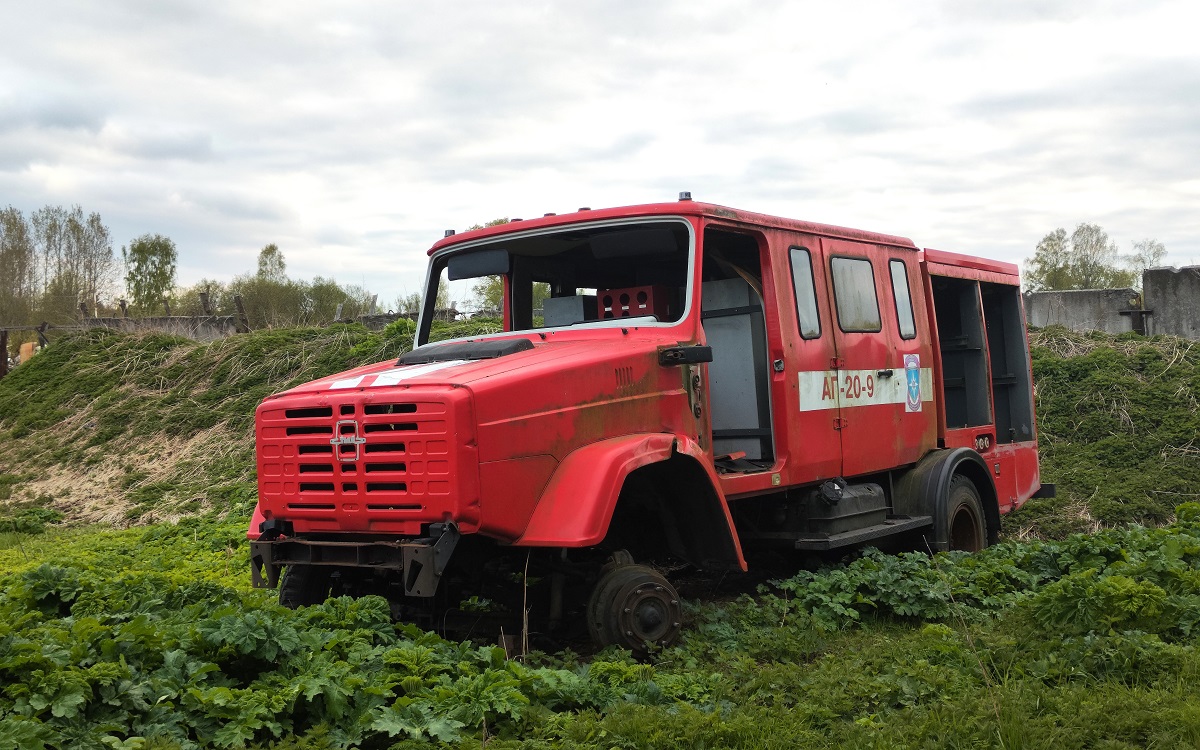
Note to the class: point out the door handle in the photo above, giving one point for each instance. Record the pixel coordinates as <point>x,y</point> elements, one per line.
<point>885,373</point>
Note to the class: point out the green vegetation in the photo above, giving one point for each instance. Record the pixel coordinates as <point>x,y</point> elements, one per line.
<point>1118,420</point>
<point>162,425</point>
<point>1088,259</point>
<point>150,637</point>
<point>149,270</point>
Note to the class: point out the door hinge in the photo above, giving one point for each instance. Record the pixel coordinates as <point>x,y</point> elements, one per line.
<point>836,363</point>
<point>838,423</point>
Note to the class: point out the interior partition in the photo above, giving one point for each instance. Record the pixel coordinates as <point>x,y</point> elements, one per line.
<point>1012,393</point>
<point>964,358</point>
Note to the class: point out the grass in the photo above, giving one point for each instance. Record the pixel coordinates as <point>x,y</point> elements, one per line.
<point>760,671</point>
<point>1118,422</point>
<point>1034,651</point>
<point>137,428</point>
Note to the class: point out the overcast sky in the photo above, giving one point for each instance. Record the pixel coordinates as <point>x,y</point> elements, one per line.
<point>353,134</point>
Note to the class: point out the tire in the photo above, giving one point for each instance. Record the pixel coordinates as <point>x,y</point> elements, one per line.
<point>634,607</point>
<point>964,526</point>
<point>304,585</point>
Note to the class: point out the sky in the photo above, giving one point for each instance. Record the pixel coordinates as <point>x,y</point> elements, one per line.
<point>352,135</point>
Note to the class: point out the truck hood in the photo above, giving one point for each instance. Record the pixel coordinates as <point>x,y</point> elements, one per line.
<point>467,371</point>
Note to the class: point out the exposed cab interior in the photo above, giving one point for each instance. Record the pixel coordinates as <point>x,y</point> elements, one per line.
<point>586,275</point>
<point>739,380</point>
<point>984,357</point>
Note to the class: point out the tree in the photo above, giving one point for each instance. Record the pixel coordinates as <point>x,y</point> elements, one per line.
<point>76,252</point>
<point>410,304</point>
<point>52,262</point>
<point>1087,259</point>
<point>270,297</point>
<point>1147,253</point>
<point>149,270</point>
<point>1049,268</point>
<point>98,264</point>
<point>18,282</point>
<point>271,265</point>
<point>186,300</point>
<point>488,293</point>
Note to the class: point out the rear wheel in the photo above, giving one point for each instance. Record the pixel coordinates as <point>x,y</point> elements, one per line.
<point>303,585</point>
<point>964,527</point>
<point>635,607</point>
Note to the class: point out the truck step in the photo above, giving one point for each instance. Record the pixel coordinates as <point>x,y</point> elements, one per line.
<point>893,525</point>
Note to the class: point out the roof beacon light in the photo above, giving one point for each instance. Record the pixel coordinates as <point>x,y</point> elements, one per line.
<point>685,195</point>
<point>449,233</point>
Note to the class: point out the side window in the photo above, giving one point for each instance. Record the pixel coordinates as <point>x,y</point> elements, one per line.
<point>806,293</point>
<point>904,311</point>
<point>854,291</point>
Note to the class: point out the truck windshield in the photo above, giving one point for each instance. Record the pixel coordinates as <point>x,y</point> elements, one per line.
<point>599,274</point>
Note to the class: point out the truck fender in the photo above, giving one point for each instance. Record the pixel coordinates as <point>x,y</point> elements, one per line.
<point>578,503</point>
<point>713,539</point>
<point>925,490</point>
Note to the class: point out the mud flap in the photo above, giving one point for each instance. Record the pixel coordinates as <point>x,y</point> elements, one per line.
<point>424,564</point>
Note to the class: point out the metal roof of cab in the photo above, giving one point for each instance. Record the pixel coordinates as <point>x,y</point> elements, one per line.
<point>970,261</point>
<point>677,208</point>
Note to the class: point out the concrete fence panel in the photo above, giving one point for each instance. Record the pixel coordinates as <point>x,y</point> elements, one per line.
<point>1173,299</point>
<point>1083,309</point>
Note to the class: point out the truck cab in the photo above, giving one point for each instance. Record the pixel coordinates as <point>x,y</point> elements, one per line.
<point>668,385</point>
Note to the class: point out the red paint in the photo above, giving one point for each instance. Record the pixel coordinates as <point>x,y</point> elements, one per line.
<point>532,448</point>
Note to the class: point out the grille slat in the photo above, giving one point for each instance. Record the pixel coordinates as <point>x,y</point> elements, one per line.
<point>387,487</point>
<point>389,408</point>
<point>384,447</point>
<point>309,413</point>
<point>310,430</point>
<point>390,427</point>
<point>386,467</point>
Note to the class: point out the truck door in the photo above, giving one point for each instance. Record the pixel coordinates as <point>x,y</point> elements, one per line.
<point>813,432</point>
<point>883,373</point>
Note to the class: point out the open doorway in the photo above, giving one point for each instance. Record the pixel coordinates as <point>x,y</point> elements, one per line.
<point>735,328</point>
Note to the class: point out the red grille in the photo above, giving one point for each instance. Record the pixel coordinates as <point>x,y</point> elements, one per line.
<point>358,464</point>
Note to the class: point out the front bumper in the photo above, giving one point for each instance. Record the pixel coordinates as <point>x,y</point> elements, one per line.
<point>420,561</point>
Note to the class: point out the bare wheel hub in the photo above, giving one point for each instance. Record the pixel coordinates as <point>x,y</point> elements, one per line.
<point>649,613</point>
<point>634,606</point>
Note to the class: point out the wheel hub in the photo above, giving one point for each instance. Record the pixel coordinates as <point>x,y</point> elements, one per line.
<point>648,614</point>
<point>633,606</point>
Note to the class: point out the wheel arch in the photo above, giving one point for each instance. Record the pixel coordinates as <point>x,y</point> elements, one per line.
<point>925,490</point>
<point>609,480</point>
<point>675,505</point>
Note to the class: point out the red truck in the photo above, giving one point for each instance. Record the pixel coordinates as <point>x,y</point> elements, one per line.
<point>698,378</point>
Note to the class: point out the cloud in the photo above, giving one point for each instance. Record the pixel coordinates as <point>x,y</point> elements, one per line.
<point>354,135</point>
<point>154,145</point>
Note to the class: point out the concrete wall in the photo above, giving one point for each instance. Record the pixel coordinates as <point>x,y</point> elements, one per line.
<point>1173,298</point>
<point>1082,309</point>
<point>1170,300</point>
